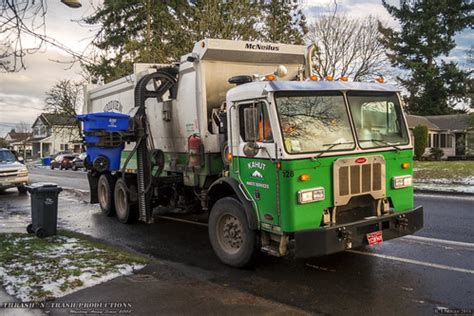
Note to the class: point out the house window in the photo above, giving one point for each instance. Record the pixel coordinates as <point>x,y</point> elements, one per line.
<point>65,147</point>
<point>429,140</point>
<point>435,141</point>
<point>443,140</point>
<point>61,147</point>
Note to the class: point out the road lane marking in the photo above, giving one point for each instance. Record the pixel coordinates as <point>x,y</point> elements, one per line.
<point>440,241</point>
<point>420,263</point>
<point>182,220</point>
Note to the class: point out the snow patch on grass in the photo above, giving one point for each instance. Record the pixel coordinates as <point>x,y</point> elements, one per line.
<point>33,269</point>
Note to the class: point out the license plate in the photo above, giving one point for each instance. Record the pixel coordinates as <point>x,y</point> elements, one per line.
<point>375,238</point>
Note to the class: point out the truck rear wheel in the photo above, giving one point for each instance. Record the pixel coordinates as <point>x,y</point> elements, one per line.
<point>125,210</point>
<point>231,238</point>
<point>105,193</point>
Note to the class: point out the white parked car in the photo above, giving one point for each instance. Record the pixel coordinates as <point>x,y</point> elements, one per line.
<point>12,172</point>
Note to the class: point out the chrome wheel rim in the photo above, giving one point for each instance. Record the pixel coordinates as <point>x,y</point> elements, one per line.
<point>230,234</point>
<point>121,203</point>
<point>103,194</point>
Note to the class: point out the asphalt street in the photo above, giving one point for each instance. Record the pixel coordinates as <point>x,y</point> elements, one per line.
<point>412,275</point>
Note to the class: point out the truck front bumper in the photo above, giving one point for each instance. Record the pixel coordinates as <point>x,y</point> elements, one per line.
<point>332,239</point>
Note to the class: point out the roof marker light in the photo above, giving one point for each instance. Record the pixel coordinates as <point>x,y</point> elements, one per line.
<point>329,78</point>
<point>313,78</point>
<point>270,77</point>
<point>344,78</point>
<point>380,79</point>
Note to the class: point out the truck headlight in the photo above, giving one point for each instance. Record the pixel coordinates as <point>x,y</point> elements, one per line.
<point>402,182</point>
<point>311,195</point>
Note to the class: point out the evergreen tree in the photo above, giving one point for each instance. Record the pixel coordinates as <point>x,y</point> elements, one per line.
<point>134,31</point>
<point>427,34</point>
<point>284,22</point>
<point>156,31</point>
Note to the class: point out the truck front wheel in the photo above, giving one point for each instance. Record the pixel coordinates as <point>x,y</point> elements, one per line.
<point>105,192</point>
<point>231,238</point>
<point>126,211</point>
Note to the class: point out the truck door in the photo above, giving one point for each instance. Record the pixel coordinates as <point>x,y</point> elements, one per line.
<point>258,173</point>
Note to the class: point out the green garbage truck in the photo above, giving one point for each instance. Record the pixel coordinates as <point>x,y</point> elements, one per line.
<point>281,161</point>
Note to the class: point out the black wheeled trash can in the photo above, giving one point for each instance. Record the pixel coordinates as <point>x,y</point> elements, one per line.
<point>44,209</point>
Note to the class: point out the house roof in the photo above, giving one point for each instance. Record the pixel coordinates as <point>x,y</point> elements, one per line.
<point>14,136</point>
<point>55,119</point>
<point>452,121</point>
<point>414,120</point>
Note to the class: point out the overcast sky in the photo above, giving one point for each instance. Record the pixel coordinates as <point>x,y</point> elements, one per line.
<point>22,93</point>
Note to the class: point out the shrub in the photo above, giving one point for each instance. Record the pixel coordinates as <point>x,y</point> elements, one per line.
<point>436,153</point>
<point>420,133</point>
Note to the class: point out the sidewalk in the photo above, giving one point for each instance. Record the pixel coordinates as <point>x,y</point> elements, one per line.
<point>169,289</point>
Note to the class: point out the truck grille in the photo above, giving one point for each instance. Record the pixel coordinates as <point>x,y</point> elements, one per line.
<point>358,176</point>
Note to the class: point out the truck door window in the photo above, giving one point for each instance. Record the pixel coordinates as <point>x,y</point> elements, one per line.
<point>265,131</point>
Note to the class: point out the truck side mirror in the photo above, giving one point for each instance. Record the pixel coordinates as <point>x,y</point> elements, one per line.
<point>251,125</point>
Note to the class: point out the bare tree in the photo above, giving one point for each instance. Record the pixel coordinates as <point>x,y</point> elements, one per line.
<point>23,140</point>
<point>65,99</point>
<point>23,127</point>
<point>347,46</point>
<point>20,19</point>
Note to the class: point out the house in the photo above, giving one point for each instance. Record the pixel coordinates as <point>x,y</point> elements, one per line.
<point>20,142</point>
<point>55,132</point>
<point>452,133</point>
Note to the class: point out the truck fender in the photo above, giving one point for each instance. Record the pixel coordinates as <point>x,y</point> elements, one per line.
<point>227,186</point>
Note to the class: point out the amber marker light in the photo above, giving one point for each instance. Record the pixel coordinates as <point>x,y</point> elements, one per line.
<point>329,78</point>
<point>229,156</point>
<point>380,79</point>
<point>304,177</point>
<point>344,78</point>
<point>405,165</point>
<point>270,77</point>
<point>313,78</point>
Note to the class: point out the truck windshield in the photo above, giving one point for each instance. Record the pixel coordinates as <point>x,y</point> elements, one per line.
<point>6,156</point>
<point>313,121</point>
<point>378,119</point>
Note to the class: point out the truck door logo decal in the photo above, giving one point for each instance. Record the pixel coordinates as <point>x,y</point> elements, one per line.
<point>113,106</point>
<point>257,174</point>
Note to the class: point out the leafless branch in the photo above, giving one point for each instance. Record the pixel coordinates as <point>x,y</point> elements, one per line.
<point>347,46</point>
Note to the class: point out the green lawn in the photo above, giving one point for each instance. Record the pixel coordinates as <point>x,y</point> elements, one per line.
<point>451,170</point>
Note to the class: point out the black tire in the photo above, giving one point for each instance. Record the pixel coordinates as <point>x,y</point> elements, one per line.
<point>40,233</point>
<point>74,168</point>
<point>125,210</point>
<point>105,194</point>
<point>51,167</point>
<point>231,238</point>
<point>61,167</point>
<point>21,189</point>
<point>29,229</point>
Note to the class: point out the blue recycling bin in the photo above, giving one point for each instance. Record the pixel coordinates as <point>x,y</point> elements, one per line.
<point>97,128</point>
<point>46,161</point>
<point>104,121</point>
